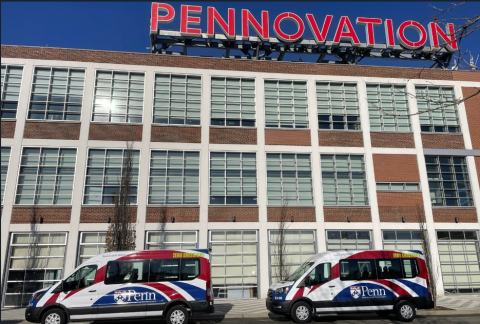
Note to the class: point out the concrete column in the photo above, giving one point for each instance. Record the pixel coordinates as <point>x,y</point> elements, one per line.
<point>204,162</point>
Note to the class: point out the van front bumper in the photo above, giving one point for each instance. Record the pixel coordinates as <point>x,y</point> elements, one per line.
<point>32,314</point>
<point>281,307</point>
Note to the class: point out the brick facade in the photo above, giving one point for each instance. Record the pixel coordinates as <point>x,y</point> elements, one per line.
<point>165,214</point>
<point>340,214</point>
<point>225,214</point>
<point>443,141</point>
<point>50,215</point>
<point>472,106</point>
<point>393,205</point>
<point>8,129</point>
<point>340,138</point>
<point>230,135</point>
<point>395,168</point>
<point>386,139</point>
<point>115,132</point>
<point>100,214</point>
<point>447,215</point>
<point>177,134</point>
<point>52,130</point>
<point>300,137</point>
<point>300,214</point>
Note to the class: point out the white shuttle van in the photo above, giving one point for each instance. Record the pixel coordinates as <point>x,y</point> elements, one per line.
<point>128,285</point>
<point>354,281</point>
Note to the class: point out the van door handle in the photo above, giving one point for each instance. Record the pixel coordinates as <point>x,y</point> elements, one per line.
<point>331,286</point>
<point>92,291</point>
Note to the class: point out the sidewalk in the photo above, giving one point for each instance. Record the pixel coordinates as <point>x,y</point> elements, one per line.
<point>238,308</point>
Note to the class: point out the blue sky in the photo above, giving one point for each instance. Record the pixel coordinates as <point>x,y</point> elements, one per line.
<point>124,26</point>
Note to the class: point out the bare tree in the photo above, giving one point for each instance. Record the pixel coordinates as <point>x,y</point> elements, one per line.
<point>281,270</point>
<point>162,222</point>
<point>121,232</point>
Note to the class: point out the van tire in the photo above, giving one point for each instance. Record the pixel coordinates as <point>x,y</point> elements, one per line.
<point>405,311</point>
<point>177,315</point>
<point>54,316</point>
<point>301,312</point>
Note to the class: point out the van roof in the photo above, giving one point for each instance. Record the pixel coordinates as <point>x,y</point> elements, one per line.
<point>329,255</point>
<point>141,254</point>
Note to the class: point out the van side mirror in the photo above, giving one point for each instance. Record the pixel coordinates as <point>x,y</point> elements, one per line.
<point>308,281</point>
<point>59,288</point>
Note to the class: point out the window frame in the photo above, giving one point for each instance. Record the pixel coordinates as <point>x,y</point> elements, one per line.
<point>148,243</point>
<point>404,185</point>
<point>7,65</point>
<point>7,166</point>
<point>80,244</point>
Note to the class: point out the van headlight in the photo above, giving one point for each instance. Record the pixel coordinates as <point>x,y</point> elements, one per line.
<point>281,291</point>
<point>37,296</point>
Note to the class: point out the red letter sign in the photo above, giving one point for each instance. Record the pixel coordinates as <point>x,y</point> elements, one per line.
<point>185,19</point>
<point>292,17</point>
<point>262,30</point>
<point>369,23</point>
<point>450,42</point>
<point>403,39</point>
<point>155,19</point>
<point>389,33</point>
<point>350,33</point>
<point>228,28</point>
<point>319,35</point>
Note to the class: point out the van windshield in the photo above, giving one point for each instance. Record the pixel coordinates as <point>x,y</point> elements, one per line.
<point>300,271</point>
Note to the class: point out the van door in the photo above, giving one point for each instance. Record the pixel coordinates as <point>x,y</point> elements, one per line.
<point>319,291</point>
<point>80,292</point>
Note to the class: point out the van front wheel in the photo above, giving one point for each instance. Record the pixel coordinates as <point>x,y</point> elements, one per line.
<point>405,311</point>
<point>301,313</point>
<point>54,316</point>
<point>177,315</point>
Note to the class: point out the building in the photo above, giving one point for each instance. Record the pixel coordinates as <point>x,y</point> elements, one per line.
<point>220,145</point>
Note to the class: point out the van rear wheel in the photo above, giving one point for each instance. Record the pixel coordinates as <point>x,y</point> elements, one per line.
<point>177,315</point>
<point>301,313</point>
<point>54,316</point>
<point>405,311</point>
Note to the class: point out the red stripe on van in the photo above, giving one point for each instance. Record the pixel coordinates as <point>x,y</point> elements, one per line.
<point>100,275</point>
<point>299,293</point>
<point>393,286</point>
<point>52,299</point>
<point>170,292</point>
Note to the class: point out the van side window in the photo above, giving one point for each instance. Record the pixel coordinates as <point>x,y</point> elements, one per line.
<point>320,274</point>
<point>164,270</point>
<point>410,266</point>
<point>82,278</point>
<point>389,269</point>
<point>357,269</point>
<point>190,269</point>
<point>122,272</point>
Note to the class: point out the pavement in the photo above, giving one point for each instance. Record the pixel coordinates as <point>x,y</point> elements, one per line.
<point>458,304</point>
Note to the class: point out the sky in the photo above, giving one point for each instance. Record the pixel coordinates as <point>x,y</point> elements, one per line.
<point>124,26</point>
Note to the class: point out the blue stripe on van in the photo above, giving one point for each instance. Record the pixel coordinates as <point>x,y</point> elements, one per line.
<point>363,290</point>
<point>130,295</point>
<point>418,289</point>
<point>195,292</point>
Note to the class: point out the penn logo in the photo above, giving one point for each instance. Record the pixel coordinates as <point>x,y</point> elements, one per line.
<point>131,296</point>
<point>355,291</point>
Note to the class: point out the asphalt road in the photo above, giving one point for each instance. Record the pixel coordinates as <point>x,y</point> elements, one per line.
<point>341,319</point>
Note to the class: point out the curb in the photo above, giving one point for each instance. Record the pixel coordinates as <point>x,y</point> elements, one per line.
<point>423,312</point>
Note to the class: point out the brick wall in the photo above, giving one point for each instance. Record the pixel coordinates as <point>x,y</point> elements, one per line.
<point>339,214</point>
<point>395,168</point>
<point>45,53</point>
<point>8,129</point>
<point>287,137</point>
<point>50,215</point>
<point>115,132</point>
<point>300,214</point>
<point>230,135</point>
<point>224,214</point>
<point>386,139</point>
<point>443,141</point>
<point>340,138</point>
<point>50,130</point>
<point>99,214</point>
<point>177,134</point>
<point>472,106</point>
<point>393,205</point>
<point>181,214</point>
<point>447,215</point>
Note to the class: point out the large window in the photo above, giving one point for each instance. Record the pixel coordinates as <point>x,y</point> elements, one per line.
<point>344,180</point>
<point>402,240</point>
<point>82,278</point>
<point>233,178</point>
<point>460,261</point>
<point>125,272</point>
<point>388,107</point>
<point>286,104</point>
<point>348,240</point>
<point>337,106</point>
<point>105,169</point>
<point>174,177</point>
<point>363,269</point>
<point>233,102</point>
<point>299,246</point>
<point>234,264</point>
<point>171,240</point>
<point>118,97</point>
<point>439,112</point>
<point>11,81</point>
<point>5,159</point>
<point>91,244</point>
<point>289,179</point>
<point>35,261</point>
<point>56,94</point>
<point>449,181</point>
<point>46,176</point>
<point>177,99</point>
